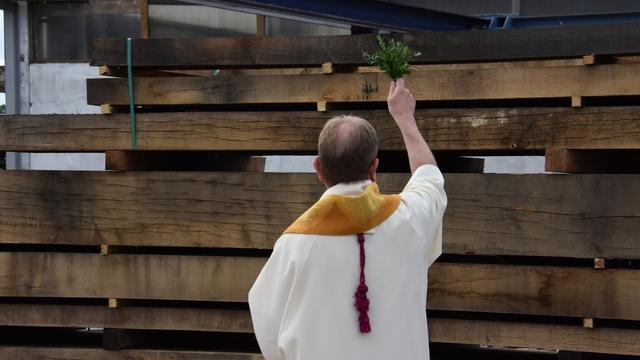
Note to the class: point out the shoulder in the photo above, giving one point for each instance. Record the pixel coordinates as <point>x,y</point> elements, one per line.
<point>425,174</point>
<point>426,183</point>
<point>291,243</point>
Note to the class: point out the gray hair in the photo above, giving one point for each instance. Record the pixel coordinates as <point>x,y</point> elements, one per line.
<point>346,147</point>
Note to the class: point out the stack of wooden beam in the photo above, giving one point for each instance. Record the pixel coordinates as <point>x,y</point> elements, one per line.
<point>163,260</point>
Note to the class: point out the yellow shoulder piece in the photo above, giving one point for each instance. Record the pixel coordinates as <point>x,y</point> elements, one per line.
<point>345,215</point>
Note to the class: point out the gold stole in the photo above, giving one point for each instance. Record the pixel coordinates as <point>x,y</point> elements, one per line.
<point>346,215</point>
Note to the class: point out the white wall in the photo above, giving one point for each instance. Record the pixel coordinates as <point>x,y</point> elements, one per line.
<point>514,164</point>
<point>492,164</point>
<point>61,89</point>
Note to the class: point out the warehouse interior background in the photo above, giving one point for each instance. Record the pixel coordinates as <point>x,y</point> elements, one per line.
<point>47,46</point>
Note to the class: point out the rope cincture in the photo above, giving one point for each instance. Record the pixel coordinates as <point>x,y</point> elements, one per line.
<point>132,111</point>
<point>362,302</point>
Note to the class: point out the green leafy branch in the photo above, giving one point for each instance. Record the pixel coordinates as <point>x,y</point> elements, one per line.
<point>392,57</point>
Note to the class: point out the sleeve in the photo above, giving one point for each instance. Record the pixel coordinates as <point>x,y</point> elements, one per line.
<point>426,200</point>
<point>268,299</point>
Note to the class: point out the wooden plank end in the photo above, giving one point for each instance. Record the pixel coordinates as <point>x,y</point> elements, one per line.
<point>107,109</point>
<point>114,303</point>
<point>322,106</point>
<point>600,161</point>
<point>104,70</point>
<point>327,68</point>
<point>555,160</point>
<point>589,59</point>
<point>576,101</point>
<point>261,25</point>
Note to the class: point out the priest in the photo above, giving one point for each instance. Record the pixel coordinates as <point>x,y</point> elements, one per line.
<point>348,279</point>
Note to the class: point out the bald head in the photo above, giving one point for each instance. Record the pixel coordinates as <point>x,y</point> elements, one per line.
<point>346,148</point>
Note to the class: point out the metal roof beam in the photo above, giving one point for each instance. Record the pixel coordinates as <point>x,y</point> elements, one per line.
<point>365,13</point>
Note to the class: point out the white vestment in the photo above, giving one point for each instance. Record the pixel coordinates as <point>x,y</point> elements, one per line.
<point>302,303</point>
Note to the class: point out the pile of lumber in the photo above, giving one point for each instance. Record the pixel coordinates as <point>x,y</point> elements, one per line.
<point>161,253</point>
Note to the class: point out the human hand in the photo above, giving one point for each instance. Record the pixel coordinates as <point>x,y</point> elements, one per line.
<point>401,103</point>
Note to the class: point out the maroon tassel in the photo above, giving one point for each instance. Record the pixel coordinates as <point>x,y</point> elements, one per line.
<point>362,302</point>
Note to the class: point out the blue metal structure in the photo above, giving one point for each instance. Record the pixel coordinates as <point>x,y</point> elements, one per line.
<point>365,13</point>
<point>382,15</point>
<point>515,22</point>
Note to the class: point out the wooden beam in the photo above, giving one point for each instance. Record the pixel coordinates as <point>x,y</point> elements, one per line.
<point>328,68</point>
<point>534,335</point>
<point>261,25</point>
<point>503,129</point>
<point>144,19</point>
<point>126,317</point>
<point>436,47</point>
<point>592,161</point>
<point>441,330</point>
<point>487,213</point>
<point>534,290</point>
<point>481,84</point>
<point>60,353</point>
<point>117,71</point>
<point>506,289</point>
<point>203,278</point>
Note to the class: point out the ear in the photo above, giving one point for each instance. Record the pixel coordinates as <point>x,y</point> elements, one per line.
<point>316,165</point>
<point>373,168</point>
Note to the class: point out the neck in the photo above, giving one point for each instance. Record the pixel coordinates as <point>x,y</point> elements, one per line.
<point>328,184</point>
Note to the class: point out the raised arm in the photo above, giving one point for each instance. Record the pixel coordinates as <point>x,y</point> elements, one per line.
<point>402,107</point>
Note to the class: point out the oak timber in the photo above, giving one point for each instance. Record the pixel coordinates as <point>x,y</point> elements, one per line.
<point>534,290</point>
<point>533,215</point>
<point>507,289</point>
<point>117,71</point>
<point>261,25</point>
<point>144,19</point>
<point>328,68</point>
<point>503,129</point>
<point>71,353</point>
<point>126,317</point>
<point>204,278</point>
<point>592,161</point>
<point>535,335</point>
<point>480,84</point>
<point>444,330</point>
<point>436,47</point>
